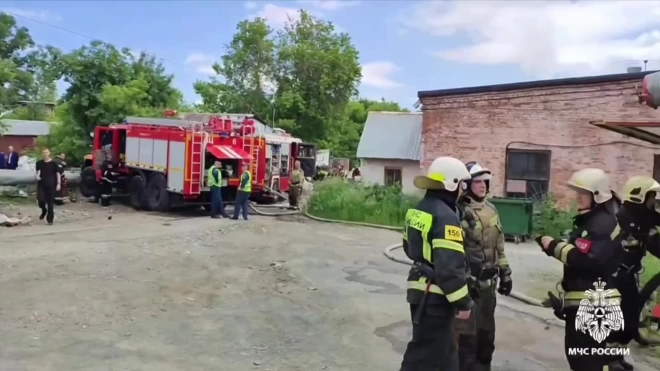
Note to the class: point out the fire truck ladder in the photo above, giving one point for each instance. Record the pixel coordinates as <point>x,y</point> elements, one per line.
<point>198,143</point>
<point>252,148</point>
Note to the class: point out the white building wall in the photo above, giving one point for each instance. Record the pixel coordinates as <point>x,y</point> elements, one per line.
<point>373,171</point>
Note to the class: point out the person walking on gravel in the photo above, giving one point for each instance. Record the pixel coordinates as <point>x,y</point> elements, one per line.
<point>48,184</point>
<point>438,288</point>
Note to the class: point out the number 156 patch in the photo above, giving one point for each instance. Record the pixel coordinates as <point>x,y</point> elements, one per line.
<point>453,233</point>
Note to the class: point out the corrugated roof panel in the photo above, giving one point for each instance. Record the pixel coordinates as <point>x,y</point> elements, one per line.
<point>392,135</point>
<point>25,127</point>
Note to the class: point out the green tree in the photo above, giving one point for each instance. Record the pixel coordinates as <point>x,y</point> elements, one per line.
<point>107,84</point>
<point>317,73</point>
<point>244,72</point>
<point>15,80</point>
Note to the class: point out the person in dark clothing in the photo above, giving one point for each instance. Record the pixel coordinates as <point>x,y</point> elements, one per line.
<point>3,160</point>
<point>48,183</point>
<point>12,159</point>
<point>214,181</point>
<point>243,194</point>
<point>438,282</point>
<point>109,179</point>
<point>639,222</point>
<point>591,255</point>
<point>62,193</point>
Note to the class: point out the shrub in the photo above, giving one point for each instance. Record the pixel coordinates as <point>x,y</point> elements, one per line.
<point>356,202</point>
<point>550,220</point>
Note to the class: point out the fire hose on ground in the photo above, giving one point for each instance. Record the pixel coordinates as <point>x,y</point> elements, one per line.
<point>388,250</point>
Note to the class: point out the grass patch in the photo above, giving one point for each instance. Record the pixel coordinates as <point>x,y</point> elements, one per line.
<point>17,200</point>
<point>550,220</point>
<point>356,202</point>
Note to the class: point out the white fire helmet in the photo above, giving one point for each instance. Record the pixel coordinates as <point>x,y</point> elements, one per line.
<point>637,187</point>
<point>594,181</point>
<point>444,173</point>
<point>478,172</point>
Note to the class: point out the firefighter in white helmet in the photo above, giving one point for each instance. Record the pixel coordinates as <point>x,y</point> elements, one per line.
<point>438,288</point>
<point>639,222</point>
<point>590,256</point>
<point>484,248</point>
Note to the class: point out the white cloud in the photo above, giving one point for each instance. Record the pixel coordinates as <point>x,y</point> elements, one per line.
<point>330,4</point>
<point>250,5</point>
<point>379,75</point>
<point>37,15</point>
<point>545,39</point>
<point>201,63</point>
<point>278,16</point>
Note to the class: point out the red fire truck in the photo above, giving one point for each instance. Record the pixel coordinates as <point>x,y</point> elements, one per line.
<point>162,163</point>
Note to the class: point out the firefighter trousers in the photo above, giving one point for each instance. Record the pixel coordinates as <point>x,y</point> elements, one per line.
<point>626,283</point>
<point>575,339</point>
<point>475,337</point>
<point>294,194</point>
<point>432,346</point>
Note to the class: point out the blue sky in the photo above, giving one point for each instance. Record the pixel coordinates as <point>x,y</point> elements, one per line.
<point>404,46</point>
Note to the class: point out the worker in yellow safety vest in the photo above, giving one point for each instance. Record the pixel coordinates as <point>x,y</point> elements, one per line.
<point>214,181</point>
<point>243,194</point>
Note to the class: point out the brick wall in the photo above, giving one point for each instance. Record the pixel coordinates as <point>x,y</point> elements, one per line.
<point>479,127</point>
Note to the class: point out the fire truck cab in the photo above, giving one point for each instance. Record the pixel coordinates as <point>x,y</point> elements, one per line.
<point>162,163</point>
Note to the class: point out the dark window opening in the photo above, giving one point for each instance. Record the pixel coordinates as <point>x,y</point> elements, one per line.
<point>527,174</point>
<point>392,176</point>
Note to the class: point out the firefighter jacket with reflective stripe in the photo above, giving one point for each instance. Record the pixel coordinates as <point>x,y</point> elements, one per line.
<point>484,240</point>
<point>592,252</point>
<point>641,233</point>
<point>246,184</point>
<point>433,236</point>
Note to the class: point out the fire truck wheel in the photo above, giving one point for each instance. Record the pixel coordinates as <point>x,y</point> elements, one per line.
<point>136,190</point>
<point>158,198</point>
<point>88,185</point>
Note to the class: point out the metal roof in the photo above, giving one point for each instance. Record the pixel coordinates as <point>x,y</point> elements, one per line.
<point>392,135</point>
<point>587,80</point>
<point>25,127</point>
<point>645,131</point>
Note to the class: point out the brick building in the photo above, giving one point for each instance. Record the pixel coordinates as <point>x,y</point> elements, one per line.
<point>21,134</point>
<point>534,135</point>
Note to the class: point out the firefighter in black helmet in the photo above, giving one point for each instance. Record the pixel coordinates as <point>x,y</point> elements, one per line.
<point>590,256</point>
<point>438,288</point>
<point>639,222</point>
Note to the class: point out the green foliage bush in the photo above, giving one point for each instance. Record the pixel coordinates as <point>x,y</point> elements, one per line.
<point>551,220</point>
<point>356,202</point>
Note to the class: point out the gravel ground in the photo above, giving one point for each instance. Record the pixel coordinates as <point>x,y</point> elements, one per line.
<point>146,291</point>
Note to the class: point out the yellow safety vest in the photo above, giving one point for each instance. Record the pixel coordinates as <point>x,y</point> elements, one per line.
<point>248,186</point>
<point>210,180</point>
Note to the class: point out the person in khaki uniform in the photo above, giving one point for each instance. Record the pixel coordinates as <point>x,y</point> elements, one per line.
<point>484,249</point>
<point>295,185</point>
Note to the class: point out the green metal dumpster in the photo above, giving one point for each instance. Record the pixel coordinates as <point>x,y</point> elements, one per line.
<point>516,216</point>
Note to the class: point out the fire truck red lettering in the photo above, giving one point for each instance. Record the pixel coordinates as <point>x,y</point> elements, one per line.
<point>583,245</point>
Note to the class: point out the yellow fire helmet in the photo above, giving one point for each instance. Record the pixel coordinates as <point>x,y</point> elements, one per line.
<point>594,181</point>
<point>444,173</point>
<point>637,187</point>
